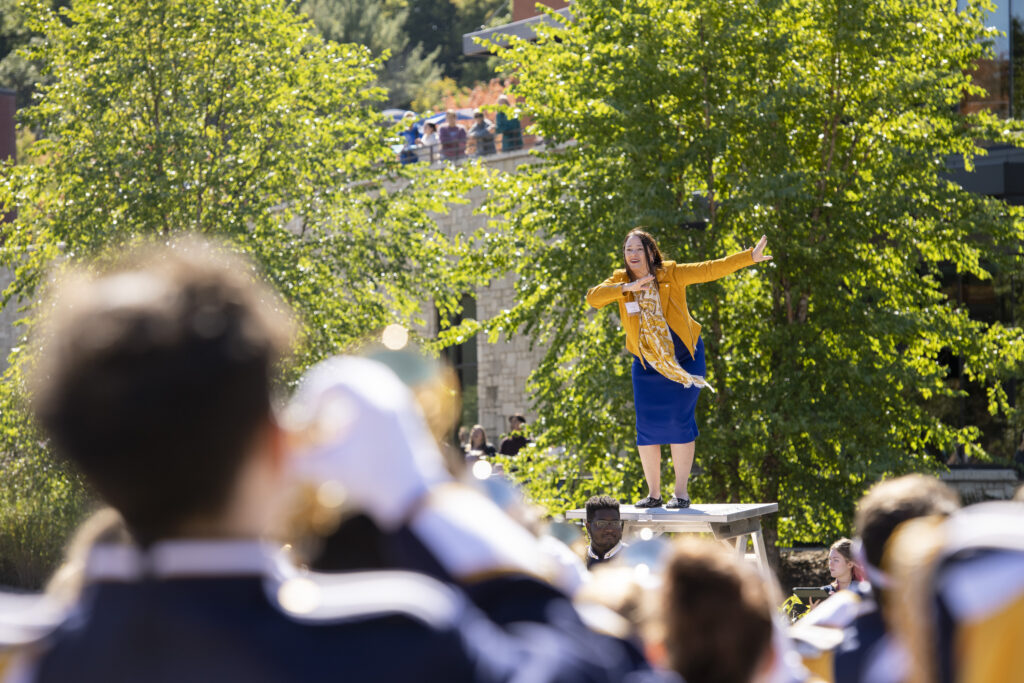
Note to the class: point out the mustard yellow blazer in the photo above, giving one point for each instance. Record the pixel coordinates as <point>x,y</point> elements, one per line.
<point>672,279</point>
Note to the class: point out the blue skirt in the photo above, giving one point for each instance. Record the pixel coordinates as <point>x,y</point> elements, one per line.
<point>665,409</point>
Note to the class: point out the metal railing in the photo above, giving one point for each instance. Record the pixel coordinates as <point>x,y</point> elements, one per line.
<point>470,147</point>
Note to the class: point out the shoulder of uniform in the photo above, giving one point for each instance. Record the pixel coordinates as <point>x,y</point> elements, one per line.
<point>668,265</point>
<point>839,610</point>
<point>619,274</point>
<point>326,599</point>
<point>995,525</point>
<point>27,618</point>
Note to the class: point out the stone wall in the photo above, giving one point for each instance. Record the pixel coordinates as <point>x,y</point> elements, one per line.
<point>979,485</point>
<point>8,316</point>
<point>503,367</point>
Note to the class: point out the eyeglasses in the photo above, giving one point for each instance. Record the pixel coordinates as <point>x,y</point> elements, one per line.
<point>606,524</point>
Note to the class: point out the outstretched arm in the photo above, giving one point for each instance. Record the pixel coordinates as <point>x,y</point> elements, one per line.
<point>708,271</point>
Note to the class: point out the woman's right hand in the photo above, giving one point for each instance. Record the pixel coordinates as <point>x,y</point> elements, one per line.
<point>639,284</point>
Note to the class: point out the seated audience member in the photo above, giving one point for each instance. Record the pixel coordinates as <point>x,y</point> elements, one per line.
<point>478,443</point>
<point>452,137</point>
<point>513,443</point>
<point>958,589</point>
<point>508,128</point>
<point>604,528</point>
<point>154,379</point>
<point>867,652</point>
<point>714,623</point>
<point>482,133</point>
<point>842,567</point>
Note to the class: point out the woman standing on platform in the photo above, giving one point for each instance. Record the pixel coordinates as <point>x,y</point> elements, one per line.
<point>668,352</point>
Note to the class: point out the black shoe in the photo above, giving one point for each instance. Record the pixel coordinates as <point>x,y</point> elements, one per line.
<point>649,502</point>
<point>677,503</point>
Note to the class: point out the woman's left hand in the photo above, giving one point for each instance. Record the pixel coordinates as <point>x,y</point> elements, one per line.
<point>759,254</point>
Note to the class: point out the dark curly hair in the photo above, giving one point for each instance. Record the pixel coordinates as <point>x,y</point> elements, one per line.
<point>650,247</point>
<point>602,502</point>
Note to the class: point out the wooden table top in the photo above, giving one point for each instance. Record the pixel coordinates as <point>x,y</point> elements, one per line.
<point>710,513</point>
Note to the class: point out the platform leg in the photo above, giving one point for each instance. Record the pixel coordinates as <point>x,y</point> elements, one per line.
<point>760,550</point>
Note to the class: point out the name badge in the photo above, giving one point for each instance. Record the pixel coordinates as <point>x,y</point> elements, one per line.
<point>632,307</point>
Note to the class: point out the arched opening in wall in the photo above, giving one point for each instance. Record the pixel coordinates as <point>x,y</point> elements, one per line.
<point>463,359</point>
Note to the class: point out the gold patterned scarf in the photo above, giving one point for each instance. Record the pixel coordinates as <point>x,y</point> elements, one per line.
<point>656,342</point>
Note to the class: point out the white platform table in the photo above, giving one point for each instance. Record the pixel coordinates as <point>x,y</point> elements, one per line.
<point>731,524</point>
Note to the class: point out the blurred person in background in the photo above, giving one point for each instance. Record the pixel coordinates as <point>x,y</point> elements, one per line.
<point>478,443</point>
<point>482,133</point>
<point>430,141</point>
<point>508,128</point>
<point>515,439</point>
<point>429,134</point>
<point>452,137</point>
<point>409,131</point>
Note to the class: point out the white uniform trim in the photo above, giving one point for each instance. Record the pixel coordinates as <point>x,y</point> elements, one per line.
<point>616,549</point>
<point>306,597</point>
<point>26,618</point>
<point>982,585</point>
<point>985,525</point>
<point>358,595</point>
<point>978,586</point>
<point>469,535</point>
<point>180,559</point>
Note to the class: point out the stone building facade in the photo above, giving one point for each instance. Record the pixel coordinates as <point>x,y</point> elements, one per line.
<point>503,367</point>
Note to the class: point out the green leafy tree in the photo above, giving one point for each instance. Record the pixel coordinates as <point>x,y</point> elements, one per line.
<point>233,120</point>
<point>407,68</point>
<point>824,126</point>
<point>16,72</point>
<point>438,25</point>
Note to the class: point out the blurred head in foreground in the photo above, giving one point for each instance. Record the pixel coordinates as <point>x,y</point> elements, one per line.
<point>887,505</point>
<point>153,377</point>
<point>716,616</point>
<point>958,595</point>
